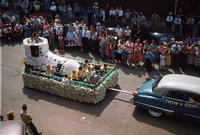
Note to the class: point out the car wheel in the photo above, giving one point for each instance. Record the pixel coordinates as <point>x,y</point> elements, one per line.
<point>154,113</point>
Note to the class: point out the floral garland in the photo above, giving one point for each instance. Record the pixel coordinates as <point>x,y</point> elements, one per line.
<point>81,94</point>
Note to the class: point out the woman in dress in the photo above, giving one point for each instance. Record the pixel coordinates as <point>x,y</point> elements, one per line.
<point>102,46</point>
<point>112,49</point>
<point>138,46</point>
<point>161,48</point>
<point>61,42</point>
<point>197,56</point>
<point>154,50</point>
<point>129,46</point>
<point>168,56</point>
<point>190,56</point>
<point>136,57</point>
<point>107,49</point>
<point>162,60</point>
<point>78,37</point>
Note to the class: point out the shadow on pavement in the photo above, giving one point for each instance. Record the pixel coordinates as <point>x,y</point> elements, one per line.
<point>174,124</point>
<point>68,103</point>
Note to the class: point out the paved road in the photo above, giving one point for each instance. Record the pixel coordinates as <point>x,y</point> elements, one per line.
<point>115,115</point>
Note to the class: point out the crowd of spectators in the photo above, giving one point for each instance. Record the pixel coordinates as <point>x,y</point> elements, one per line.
<point>90,33</point>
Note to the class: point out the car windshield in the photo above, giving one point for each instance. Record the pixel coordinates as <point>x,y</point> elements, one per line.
<point>155,84</point>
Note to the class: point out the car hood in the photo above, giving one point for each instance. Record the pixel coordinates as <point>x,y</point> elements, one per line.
<point>146,87</point>
<point>162,37</point>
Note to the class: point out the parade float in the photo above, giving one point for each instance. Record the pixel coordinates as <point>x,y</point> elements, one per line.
<point>37,56</point>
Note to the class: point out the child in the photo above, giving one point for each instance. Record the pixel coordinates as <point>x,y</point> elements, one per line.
<point>61,42</point>
<point>87,74</point>
<point>105,68</point>
<point>162,61</point>
<point>70,37</point>
<point>102,50</point>
<point>73,75</point>
<point>49,71</point>
<point>148,60</point>
<point>112,49</point>
<point>80,73</point>
<point>136,58</point>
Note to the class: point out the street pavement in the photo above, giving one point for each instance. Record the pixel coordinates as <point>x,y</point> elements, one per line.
<point>54,115</point>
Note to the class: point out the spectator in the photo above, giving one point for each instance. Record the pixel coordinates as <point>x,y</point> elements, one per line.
<point>134,24</point>
<point>138,47</point>
<point>11,19</point>
<point>162,61</point>
<point>155,18</point>
<point>177,22</point>
<point>161,48</point>
<point>168,56</point>
<point>112,48</point>
<point>148,60</point>
<point>197,56</point>
<point>119,32</point>
<point>129,47</point>
<point>69,11</point>
<point>10,115</point>
<point>1,118</point>
<point>112,13</point>
<point>94,43</point>
<point>176,50</point>
<point>76,10</point>
<point>145,46</point>
<point>102,15</point>
<point>127,33</point>
<point>154,50</point>
<point>142,20</point>
<point>184,53</point>
<point>26,118</point>
<point>53,9</point>
<point>37,6</point>
<point>169,20</point>
<point>127,15</point>
<point>61,42</point>
<point>78,37</point>
<point>102,44</point>
<point>190,23</point>
<point>120,13</point>
<point>184,27</point>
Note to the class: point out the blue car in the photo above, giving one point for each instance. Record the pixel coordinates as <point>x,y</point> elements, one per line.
<point>171,94</point>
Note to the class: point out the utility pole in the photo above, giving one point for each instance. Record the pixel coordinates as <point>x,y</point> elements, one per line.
<point>175,7</point>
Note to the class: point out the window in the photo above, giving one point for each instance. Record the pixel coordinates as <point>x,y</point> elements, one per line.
<point>155,84</point>
<point>191,97</point>
<point>175,94</point>
<point>34,51</point>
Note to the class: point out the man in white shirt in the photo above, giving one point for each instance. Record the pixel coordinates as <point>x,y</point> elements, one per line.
<point>177,22</point>
<point>190,23</point>
<point>120,13</point>
<point>11,18</point>
<point>112,13</point>
<point>119,31</point>
<point>53,9</point>
<point>169,20</point>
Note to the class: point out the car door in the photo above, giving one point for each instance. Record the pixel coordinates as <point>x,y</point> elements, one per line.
<point>192,105</point>
<point>176,100</point>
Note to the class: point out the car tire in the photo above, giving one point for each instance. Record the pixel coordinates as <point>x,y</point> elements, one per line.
<point>154,113</point>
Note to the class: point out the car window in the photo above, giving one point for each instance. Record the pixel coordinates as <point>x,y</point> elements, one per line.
<point>175,94</point>
<point>194,98</point>
<point>155,84</point>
